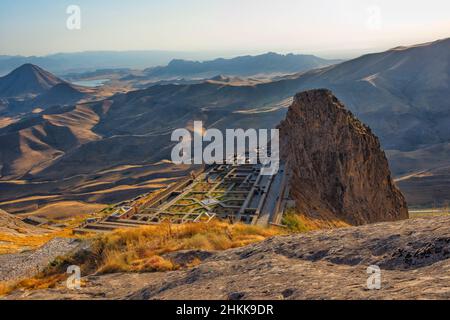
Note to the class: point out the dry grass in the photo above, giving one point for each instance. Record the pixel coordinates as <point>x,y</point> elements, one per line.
<point>429,213</point>
<point>64,210</point>
<point>143,249</point>
<point>298,222</point>
<point>11,243</point>
<point>36,283</point>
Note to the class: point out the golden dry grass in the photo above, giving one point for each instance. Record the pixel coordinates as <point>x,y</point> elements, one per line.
<point>142,250</point>
<point>63,210</point>
<point>35,283</point>
<point>431,213</point>
<point>298,222</point>
<point>11,243</point>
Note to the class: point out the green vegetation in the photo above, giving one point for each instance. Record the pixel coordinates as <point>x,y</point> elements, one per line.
<point>298,222</point>
<point>294,223</point>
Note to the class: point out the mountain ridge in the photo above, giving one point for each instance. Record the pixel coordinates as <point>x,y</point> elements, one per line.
<point>61,94</point>
<point>28,79</point>
<point>128,133</point>
<point>269,63</point>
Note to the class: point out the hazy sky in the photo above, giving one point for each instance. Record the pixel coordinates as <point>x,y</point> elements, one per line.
<point>332,27</point>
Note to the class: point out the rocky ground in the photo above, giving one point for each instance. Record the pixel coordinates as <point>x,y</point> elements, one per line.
<point>413,256</point>
<point>11,225</point>
<point>26,264</point>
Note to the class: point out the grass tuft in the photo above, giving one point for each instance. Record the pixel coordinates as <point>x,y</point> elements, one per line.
<point>298,222</point>
<point>143,249</point>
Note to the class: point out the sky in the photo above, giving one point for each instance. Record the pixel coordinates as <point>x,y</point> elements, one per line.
<point>330,28</point>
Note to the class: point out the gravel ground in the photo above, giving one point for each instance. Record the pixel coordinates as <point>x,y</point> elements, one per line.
<point>25,264</point>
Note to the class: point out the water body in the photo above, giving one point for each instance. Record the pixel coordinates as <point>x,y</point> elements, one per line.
<point>91,83</point>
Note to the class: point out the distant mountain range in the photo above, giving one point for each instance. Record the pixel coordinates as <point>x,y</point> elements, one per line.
<point>62,63</point>
<point>92,151</point>
<point>269,63</point>
<point>402,93</point>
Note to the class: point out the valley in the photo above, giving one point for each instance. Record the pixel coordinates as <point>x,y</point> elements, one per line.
<point>196,154</point>
<point>69,151</point>
<point>94,180</point>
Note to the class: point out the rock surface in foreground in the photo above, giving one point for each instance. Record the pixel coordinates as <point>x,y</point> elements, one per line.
<point>339,170</point>
<point>413,256</point>
<point>16,266</point>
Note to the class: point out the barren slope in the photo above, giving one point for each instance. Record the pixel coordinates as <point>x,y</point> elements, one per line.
<point>28,79</point>
<point>402,94</point>
<point>10,225</point>
<point>413,256</point>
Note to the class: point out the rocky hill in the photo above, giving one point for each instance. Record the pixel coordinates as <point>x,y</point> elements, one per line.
<point>28,79</point>
<point>413,256</point>
<point>339,169</point>
<point>10,225</point>
<point>401,93</point>
<point>120,142</point>
<point>61,94</point>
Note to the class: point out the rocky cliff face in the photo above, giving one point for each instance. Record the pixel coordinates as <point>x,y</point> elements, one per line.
<point>338,167</point>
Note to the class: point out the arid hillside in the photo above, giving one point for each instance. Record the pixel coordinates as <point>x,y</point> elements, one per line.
<point>412,256</point>
<point>10,225</point>
<point>27,80</point>
<point>265,64</point>
<point>114,149</point>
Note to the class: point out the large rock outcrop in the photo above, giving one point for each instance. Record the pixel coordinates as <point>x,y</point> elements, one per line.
<point>338,167</point>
